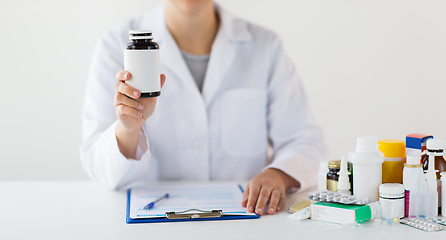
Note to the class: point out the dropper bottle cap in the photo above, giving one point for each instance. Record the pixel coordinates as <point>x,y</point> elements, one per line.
<point>431,175</point>
<point>435,144</point>
<point>344,181</point>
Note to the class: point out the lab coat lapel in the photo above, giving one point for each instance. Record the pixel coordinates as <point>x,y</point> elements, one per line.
<point>223,53</point>
<point>222,56</point>
<point>172,59</point>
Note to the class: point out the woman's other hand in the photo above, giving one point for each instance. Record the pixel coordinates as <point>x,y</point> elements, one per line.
<point>269,185</point>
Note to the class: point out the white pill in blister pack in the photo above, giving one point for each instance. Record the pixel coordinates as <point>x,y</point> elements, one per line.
<point>439,221</point>
<point>330,196</point>
<point>428,225</point>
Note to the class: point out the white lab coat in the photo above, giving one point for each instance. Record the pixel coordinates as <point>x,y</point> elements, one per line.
<point>252,97</point>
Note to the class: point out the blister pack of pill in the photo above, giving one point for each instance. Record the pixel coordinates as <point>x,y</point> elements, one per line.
<point>423,224</point>
<point>439,221</point>
<point>335,197</point>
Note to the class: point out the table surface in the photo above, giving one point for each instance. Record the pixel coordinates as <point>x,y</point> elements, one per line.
<point>85,210</point>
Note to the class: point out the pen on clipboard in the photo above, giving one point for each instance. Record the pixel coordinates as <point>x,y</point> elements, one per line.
<point>152,204</point>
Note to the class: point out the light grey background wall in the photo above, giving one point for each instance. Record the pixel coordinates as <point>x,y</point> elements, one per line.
<point>374,67</point>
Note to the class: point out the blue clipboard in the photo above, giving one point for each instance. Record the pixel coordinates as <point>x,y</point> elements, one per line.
<point>165,219</point>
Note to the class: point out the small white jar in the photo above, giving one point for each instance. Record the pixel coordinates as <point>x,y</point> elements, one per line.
<point>391,199</point>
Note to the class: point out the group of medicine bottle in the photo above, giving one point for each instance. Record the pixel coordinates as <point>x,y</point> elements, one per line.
<point>381,162</point>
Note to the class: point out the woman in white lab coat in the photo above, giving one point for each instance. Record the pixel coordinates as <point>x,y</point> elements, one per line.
<point>211,122</point>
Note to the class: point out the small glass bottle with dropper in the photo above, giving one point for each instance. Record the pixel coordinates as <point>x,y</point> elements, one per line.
<point>142,60</point>
<point>435,151</point>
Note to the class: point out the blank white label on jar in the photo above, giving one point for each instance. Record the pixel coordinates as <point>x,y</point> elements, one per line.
<point>144,65</point>
<point>392,208</point>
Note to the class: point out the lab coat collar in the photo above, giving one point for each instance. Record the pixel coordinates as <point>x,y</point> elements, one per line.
<point>223,53</point>
<point>231,31</point>
<point>234,28</point>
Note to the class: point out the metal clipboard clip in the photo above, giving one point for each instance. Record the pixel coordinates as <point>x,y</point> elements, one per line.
<point>195,215</point>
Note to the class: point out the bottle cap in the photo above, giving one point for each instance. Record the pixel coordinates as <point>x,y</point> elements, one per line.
<point>417,140</point>
<point>140,32</point>
<point>336,164</point>
<point>367,143</point>
<point>435,144</point>
<point>413,159</point>
<point>344,165</point>
<point>391,190</point>
<point>392,148</point>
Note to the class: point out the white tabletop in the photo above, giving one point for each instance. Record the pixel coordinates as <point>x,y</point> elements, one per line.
<point>84,210</point>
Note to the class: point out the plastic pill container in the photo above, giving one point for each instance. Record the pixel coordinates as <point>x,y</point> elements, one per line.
<point>394,157</point>
<point>142,60</point>
<point>391,199</point>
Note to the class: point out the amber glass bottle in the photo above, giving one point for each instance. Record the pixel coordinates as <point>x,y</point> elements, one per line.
<point>435,147</point>
<point>332,176</point>
<point>142,60</point>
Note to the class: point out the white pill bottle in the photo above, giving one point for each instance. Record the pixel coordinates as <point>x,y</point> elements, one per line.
<point>367,163</point>
<point>391,199</point>
<point>142,60</point>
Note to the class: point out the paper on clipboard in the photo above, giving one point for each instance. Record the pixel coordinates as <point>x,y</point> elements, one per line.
<point>225,197</point>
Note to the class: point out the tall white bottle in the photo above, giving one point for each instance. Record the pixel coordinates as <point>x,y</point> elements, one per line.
<point>367,163</point>
<point>322,176</point>
<point>413,181</point>
<point>344,180</point>
<point>431,197</point>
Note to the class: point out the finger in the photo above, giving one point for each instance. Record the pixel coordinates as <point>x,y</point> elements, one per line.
<point>254,190</point>
<point>264,196</point>
<point>127,90</point>
<point>123,110</point>
<point>123,76</point>
<point>245,197</point>
<point>163,79</point>
<point>124,100</point>
<point>282,202</point>
<point>274,202</point>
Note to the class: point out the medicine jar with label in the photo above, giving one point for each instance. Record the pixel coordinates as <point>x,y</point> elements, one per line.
<point>391,199</point>
<point>142,60</point>
<point>332,175</point>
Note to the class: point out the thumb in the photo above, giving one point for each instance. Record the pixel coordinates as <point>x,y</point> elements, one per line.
<point>163,79</point>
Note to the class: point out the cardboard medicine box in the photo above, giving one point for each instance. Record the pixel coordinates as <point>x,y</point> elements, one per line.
<point>340,213</point>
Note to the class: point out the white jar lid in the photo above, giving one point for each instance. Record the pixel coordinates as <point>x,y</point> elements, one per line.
<point>435,144</point>
<point>391,190</point>
<point>367,143</point>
